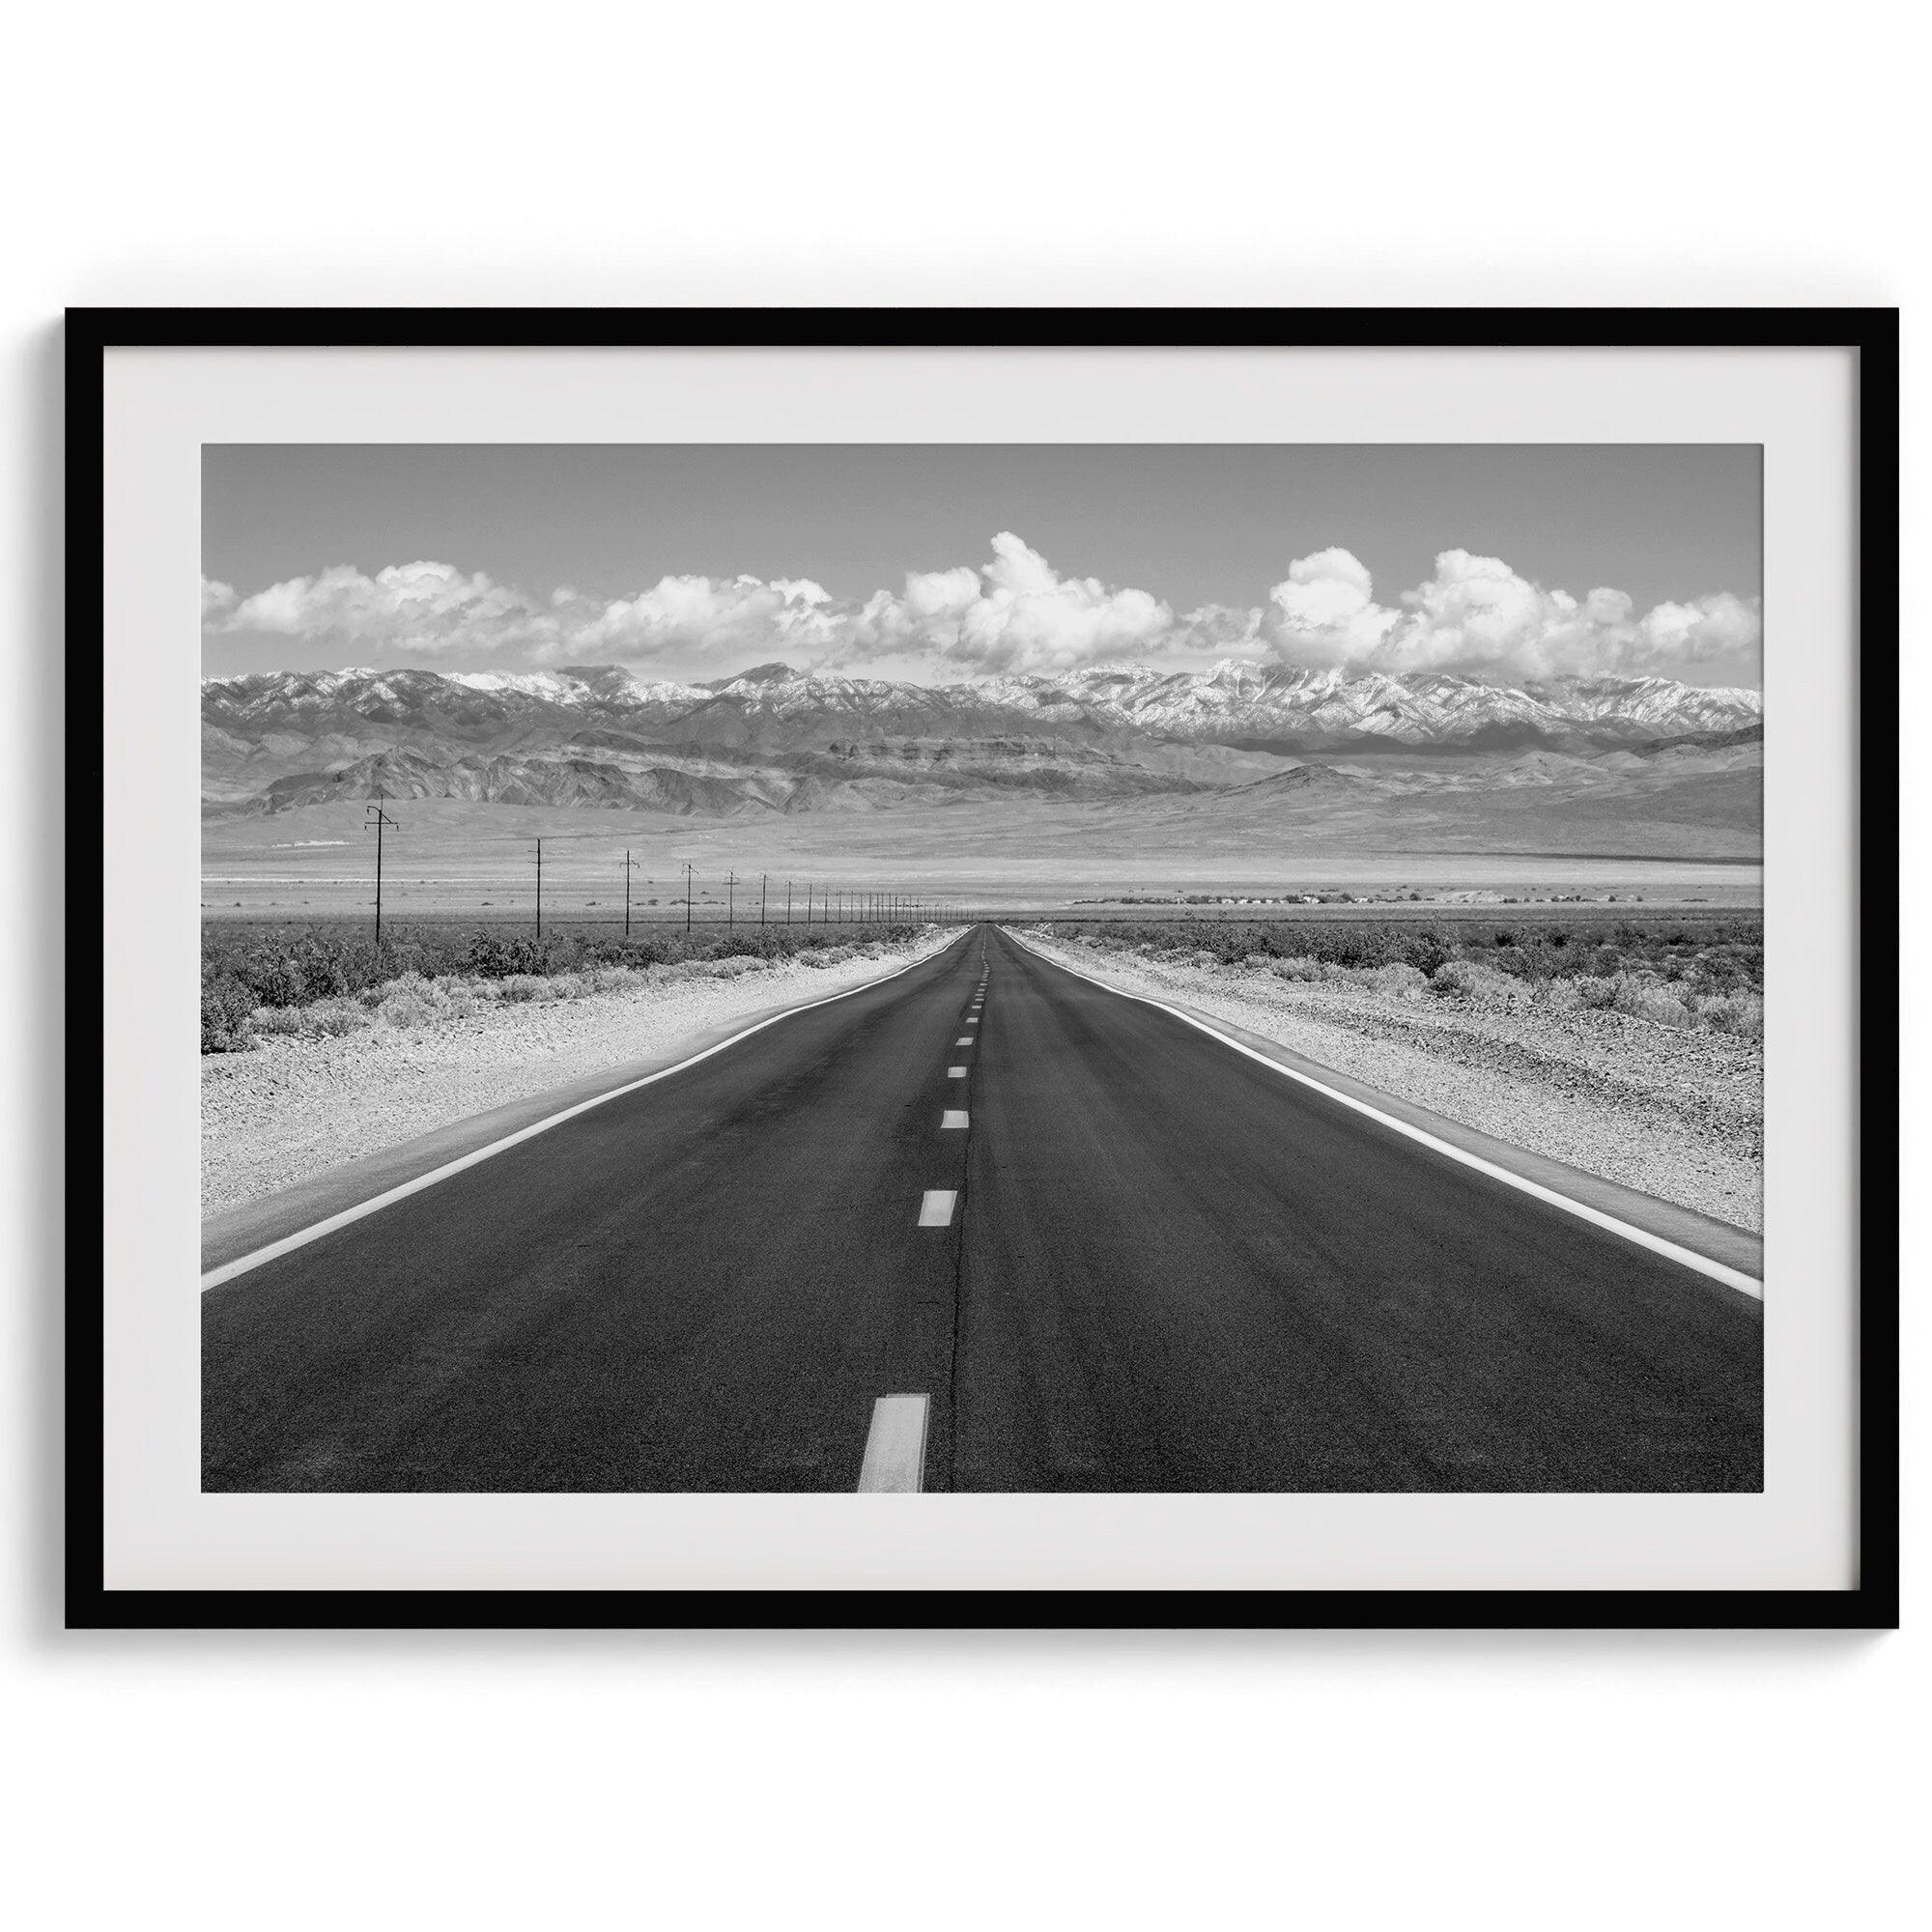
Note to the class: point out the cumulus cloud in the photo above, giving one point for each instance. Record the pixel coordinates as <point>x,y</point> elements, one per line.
<point>1474,616</point>
<point>435,610</point>
<point>1016,614</point>
<point>1324,613</point>
<point>684,615</point>
<point>1477,617</point>
<point>429,608</point>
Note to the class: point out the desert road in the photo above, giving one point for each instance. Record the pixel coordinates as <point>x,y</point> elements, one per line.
<point>1090,1246</point>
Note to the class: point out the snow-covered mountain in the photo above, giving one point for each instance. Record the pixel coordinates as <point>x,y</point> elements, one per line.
<point>774,707</point>
<point>1240,703</point>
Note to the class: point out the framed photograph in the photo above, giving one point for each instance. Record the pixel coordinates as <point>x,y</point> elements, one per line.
<point>1022,968</point>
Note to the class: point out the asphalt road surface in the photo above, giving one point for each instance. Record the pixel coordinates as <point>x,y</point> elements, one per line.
<point>1136,1260</point>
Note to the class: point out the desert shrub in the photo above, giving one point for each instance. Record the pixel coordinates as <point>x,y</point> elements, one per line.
<point>1740,1013</point>
<point>227,1011</point>
<point>1701,972</point>
<point>330,1019</point>
<point>411,1000</point>
<point>750,942</point>
<point>502,955</point>
<point>1465,978</point>
<point>1397,981</point>
<point>1646,1000</point>
<point>274,979</point>
<point>1717,954</point>
<point>324,971</point>
<point>271,1022</point>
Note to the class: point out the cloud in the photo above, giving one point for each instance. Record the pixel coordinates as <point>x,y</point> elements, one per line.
<point>435,610</point>
<point>423,607</point>
<point>1478,617</point>
<point>1324,612</point>
<point>688,615</point>
<point>1015,614</point>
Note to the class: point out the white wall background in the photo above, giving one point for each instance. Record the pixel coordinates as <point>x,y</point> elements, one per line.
<point>410,153</point>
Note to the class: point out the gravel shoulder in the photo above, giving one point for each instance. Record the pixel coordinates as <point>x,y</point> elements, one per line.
<point>291,1109</point>
<point>1676,1115</point>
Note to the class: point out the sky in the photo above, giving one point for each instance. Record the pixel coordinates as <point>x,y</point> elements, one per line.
<point>942,562</point>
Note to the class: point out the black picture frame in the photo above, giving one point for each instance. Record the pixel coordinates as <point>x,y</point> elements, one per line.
<point>1872,334</point>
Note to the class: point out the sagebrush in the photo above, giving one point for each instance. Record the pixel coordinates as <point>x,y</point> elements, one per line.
<point>1702,974</point>
<point>312,980</point>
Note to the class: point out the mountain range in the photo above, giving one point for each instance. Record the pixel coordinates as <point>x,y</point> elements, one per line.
<point>773,738</point>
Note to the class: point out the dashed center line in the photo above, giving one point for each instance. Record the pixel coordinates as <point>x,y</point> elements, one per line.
<point>965,1039</point>
<point>935,1208</point>
<point>953,1117</point>
<point>956,1073</point>
<point>895,1446</point>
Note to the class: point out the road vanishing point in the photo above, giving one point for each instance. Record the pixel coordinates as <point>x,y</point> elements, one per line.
<point>986,1226</point>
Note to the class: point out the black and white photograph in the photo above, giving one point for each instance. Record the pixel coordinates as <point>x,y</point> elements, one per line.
<point>982,968</point>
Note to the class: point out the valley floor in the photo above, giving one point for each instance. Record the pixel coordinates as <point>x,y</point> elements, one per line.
<point>1676,1115</point>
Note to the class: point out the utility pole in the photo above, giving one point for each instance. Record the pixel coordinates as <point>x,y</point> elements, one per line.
<point>380,819</point>
<point>762,877</point>
<point>687,896</point>
<point>730,900</point>
<point>630,867</point>
<point>539,887</point>
<point>788,901</point>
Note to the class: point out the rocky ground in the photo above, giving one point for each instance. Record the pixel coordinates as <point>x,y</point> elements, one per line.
<point>1675,1114</point>
<point>290,1108</point>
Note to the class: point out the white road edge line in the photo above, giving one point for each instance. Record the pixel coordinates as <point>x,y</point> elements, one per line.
<point>895,1446</point>
<point>935,1207</point>
<point>215,1277</point>
<point>953,1117</point>
<point>1689,1258</point>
